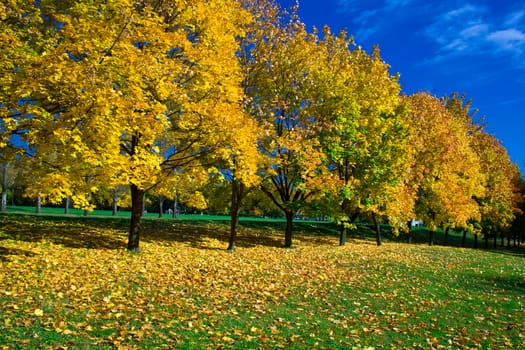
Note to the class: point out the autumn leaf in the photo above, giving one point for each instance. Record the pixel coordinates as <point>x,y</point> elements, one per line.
<point>38,312</point>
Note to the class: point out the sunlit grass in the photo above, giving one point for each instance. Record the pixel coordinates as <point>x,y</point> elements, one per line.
<point>69,282</point>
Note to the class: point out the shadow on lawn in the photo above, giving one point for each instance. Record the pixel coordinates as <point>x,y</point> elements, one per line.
<point>4,252</point>
<point>111,232</point>
<point>250,233</point>
<point>68,231</point>
<point>492,283</point>
<point>102,232</point>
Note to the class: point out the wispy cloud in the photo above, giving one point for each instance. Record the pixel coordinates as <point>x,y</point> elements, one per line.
<point>474,30</point>
<point>469,29</point>
<point>508,39</point>
<point>458,29</point>
<point>371,16</point>
<point>515,18</point>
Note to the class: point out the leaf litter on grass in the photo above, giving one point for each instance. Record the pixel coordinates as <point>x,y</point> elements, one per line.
<point>57,291</point>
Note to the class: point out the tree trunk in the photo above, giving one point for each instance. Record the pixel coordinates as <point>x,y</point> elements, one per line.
<point>464,238</point>
<point>234,212</point>
<point>144,211</point>
<point>175,205</point>
<point>486,239</point>
<point>3,205</point>
<point>137,205</point>
<point>431,235</point>
<point>377,229</point>
<point>13,196</point>
<point>161,205</point>
<point>115,203</point>
<point>288,232</point>
<point>475,240</point>
<point>67,202</point>
<point>342,235</point>
<point>409,225</point>
<point>446,234</point>
<point>38,204</point>
<point>86,212</point>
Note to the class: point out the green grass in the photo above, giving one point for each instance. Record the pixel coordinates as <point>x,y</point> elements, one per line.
<point>69,282</point>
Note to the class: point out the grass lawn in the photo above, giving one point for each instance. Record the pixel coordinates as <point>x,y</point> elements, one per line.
<point>68,282</point>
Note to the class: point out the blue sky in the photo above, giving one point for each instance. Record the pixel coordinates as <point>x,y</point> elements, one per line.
<point>471,47</point>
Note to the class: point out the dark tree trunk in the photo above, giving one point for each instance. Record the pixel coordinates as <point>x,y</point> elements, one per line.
<point>67,202</point>
<point>475,241</point>
<point>464,238</point>
<point>502,240</point>
<point>115,203</point>
<point>486,239</point>
<point>237,194</point>
<point>3,204</point>
<point>175,205</point>
<point>288,232</point>
<point>409,225</point>
<point>144,211</point>
<point>446,234</point>
<point>508,240</point>
<point>234,225</point>
<point>137,205</point>
<point>377,229</point>
<point>431,235</point>
<point>86,213</point>
<point>354,217</point>
<point>342,235</point>
<point>38,209</point>
<point>161,205</point>
<point>343,232</point>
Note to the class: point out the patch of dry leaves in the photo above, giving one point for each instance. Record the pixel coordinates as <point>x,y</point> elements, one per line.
<point>114,298</point>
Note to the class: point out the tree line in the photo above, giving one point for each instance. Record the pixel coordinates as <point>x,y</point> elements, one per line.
<point>189,101</point>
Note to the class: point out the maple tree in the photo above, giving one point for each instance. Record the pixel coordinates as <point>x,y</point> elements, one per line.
<point>499,203</point>
<point>446,174</point>
<point>244,159</point>
<point>162,96</point>
<point>294,168</point>
<point>363,134</point>
<point>132,92</point>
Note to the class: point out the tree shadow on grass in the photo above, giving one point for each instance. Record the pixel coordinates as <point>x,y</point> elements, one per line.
<point>198,234</point>
<point>511,285</point>
<point>111,233</point>
<point>70,232</point>
<point>5,252</point>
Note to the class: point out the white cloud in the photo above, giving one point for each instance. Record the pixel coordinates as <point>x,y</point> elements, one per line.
<point>509,39</point>
<point>346,6</point>
<point>371,16</point>
<point>470,29</point>
<point>465,10</point>
<point>514,18</point>
<point>394,4</point>
<point>474,30</point>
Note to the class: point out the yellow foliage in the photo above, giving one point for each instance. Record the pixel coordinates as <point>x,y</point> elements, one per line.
<point>446,172</point>
<point>124,92</point>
